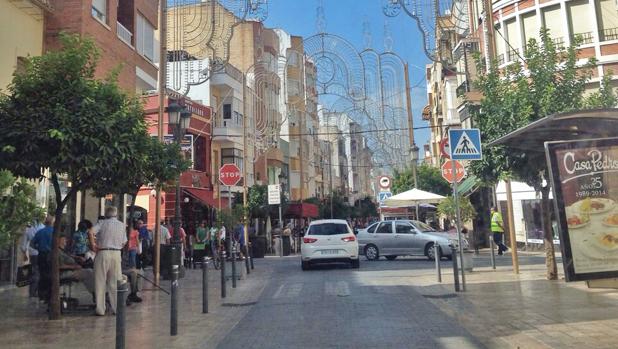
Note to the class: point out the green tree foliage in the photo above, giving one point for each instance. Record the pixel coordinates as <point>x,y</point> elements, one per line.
<point>429,179</point>
<point>550,81</point>
<point>65,120</point>
<point>257,201</point>
<point>18,207</point>
<point>466,210</point>
<point>363,208</point>
<point>341,208</point>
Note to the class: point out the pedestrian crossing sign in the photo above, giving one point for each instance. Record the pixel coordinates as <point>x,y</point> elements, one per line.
<point>383,196</point>
<point>465,144</point>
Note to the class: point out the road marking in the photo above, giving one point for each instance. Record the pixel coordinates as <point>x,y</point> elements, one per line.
<point>338,288</point>
<point>288,291</point>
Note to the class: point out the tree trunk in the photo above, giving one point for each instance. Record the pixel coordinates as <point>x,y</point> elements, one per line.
<point>54,296</point>
<point>548,236</point>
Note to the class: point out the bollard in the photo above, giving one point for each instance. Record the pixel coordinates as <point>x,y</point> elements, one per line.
<point>205,285</point>
<point>280,246</point>
<point>246,251</point>
<point>493,254</point>
<point>250,254</point>
<point>174,307</point>
<point>234,266</point>
<point>436,253</point>
<point>121,313</point>
<point>455,268</point>
<point>222,274</point>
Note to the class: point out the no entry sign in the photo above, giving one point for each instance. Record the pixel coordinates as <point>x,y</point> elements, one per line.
<point>229,174</point>
<point>447,171</point>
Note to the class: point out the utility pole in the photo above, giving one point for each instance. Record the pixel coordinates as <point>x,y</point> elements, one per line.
<point>162,94</point>
<point>244,161</point>
<point>411,129</point>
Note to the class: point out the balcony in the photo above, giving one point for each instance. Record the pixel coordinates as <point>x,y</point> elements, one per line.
<point>124,34</point>
<point>512,55</point>
<point>500,59</point>
<point>609,34</point>
<point>586,38</point>
<point>559,43</point>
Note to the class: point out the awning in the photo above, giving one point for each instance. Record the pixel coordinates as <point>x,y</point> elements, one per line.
<point>308,210</point>
<point>468,186</point>
<point>583,124</point>
<point>412,198</point>
<point>204,196</point>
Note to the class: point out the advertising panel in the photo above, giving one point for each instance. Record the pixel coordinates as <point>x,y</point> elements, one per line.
<point>585,182</point>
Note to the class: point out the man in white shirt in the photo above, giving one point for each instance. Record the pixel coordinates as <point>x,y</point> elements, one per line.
<point>165,234</point>
<point>111,237</point>
<point>31,255</point>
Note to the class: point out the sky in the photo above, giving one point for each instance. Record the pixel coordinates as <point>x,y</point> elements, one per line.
<point>345,18</point>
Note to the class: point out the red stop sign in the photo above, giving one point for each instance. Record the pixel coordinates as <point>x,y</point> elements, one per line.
<point>447,171</point>
<point>229,174</point>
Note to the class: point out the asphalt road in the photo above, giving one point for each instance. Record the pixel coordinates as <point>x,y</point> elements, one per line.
<point>338,307</point>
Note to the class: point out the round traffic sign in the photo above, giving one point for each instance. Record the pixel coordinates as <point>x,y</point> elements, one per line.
<point>229,174</point>
<point>384,182</point>
<point>447,171</point>
<point>445,150</point>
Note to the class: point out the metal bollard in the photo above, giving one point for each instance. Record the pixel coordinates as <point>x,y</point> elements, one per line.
<point>205,285</point>
<point>122,289</point>
<point>436,246</point>
<point>280,246</point>
<point>174,307</point>
<point>246,251</point>
<point>493,253</point>
<point>222,274</point>
<point>455,268</point>
<point>250,254</point>
<point>234,266</point>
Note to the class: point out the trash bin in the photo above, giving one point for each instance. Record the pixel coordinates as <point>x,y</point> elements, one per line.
<point>287,247</point>
<point>258,246</point>
<point>170,255</point>
<point>468,261</point>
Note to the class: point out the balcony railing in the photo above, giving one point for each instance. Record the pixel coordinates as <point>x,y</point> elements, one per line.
<point>462,89</point>
<point>609,34</point>
<point>559,43</point>
<point>124,34</point>
<point>511,55</point>
<point>586,38</point>
<point>501,59</point>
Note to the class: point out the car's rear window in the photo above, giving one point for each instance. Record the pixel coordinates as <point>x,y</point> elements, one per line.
<point>328,229</point>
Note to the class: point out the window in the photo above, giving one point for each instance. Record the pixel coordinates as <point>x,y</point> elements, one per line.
<point>553,20</point>
<point>232,156</point>
<point>99,10</point>
<point>404,228</point>
<point>579,20</point>
<point>531,27</point>
<point>385,228</point>
<point>227,111</point>
<point>328,229</point>
<point>607,16</point>
<point>144,40</point>
<point>425,228</point>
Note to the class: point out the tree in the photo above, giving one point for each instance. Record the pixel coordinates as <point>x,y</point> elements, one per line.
<point>364,208</point>
<point>551,81</point>
<point>429,179</point>
<point>341,208</point>
<point>17,207</point>
<point>466,210</point>
<point>66,121</point>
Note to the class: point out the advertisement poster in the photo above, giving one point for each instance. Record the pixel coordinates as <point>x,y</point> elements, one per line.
<point>585,184</point>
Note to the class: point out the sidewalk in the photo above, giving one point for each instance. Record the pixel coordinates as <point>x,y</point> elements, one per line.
<point>24,322</point>
<point>505,310</point>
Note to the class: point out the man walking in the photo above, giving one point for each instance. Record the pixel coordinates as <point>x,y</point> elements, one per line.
<point>111,238</point>
<point>498,230</point>
<point>42,242</point>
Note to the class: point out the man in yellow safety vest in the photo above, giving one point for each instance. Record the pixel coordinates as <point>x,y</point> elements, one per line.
<point>498,230</point>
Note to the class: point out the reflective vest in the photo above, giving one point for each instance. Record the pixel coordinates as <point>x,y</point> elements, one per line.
<point>496,218</point>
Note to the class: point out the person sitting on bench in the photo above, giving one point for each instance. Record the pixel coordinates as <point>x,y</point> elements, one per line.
<point>70,269</point>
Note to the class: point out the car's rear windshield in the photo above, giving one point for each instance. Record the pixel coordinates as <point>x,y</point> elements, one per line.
<point>328,229</point>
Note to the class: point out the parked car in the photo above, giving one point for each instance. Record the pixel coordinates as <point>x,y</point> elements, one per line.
<point>405,238</point>
<point>329,240</point>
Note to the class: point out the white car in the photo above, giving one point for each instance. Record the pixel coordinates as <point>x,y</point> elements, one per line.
<point>329,240</point>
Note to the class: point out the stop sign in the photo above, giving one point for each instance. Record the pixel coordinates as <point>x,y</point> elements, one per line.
<point>447,171</point>
<point>229,174</point>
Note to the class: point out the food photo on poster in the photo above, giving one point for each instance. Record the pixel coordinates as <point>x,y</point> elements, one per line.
<point>585,183</point>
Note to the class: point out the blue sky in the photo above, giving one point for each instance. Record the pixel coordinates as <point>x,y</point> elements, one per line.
<point>345,18</point>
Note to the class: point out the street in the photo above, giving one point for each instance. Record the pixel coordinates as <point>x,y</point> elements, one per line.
<point>334,306</point>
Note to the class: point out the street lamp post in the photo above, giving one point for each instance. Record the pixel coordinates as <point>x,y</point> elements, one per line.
<point>414,159</point>
<point>179,119</point>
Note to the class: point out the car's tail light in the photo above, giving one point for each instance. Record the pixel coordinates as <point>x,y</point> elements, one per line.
<point>309,240</point>
<point>349,238</point>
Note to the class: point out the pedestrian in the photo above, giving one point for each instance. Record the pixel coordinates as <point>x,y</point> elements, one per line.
<point>132,246</point>
<point>144,245</point>
<point>498,230</point>
<point>111,239</point>
<point>30,256</point>
<point>201,233</point>
<point>42,242</point>
<point>82,239</point>
<point>165,234</point>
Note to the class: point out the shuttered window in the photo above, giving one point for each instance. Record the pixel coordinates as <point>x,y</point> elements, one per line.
<point>99,10</point>
<point>144,41</point>
<point>580,20</point>
<point>607,14</point>
<point>531,26</point>
<point>553,21</point>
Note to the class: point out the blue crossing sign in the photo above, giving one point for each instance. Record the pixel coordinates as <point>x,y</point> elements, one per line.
<point>465,144</point>
<point>383,195</point>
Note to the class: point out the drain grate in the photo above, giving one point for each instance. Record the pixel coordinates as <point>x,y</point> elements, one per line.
<point>238,304</point>
<point>440,296</point>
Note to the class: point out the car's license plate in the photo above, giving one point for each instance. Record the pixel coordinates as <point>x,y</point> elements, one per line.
<point>329,251</point>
